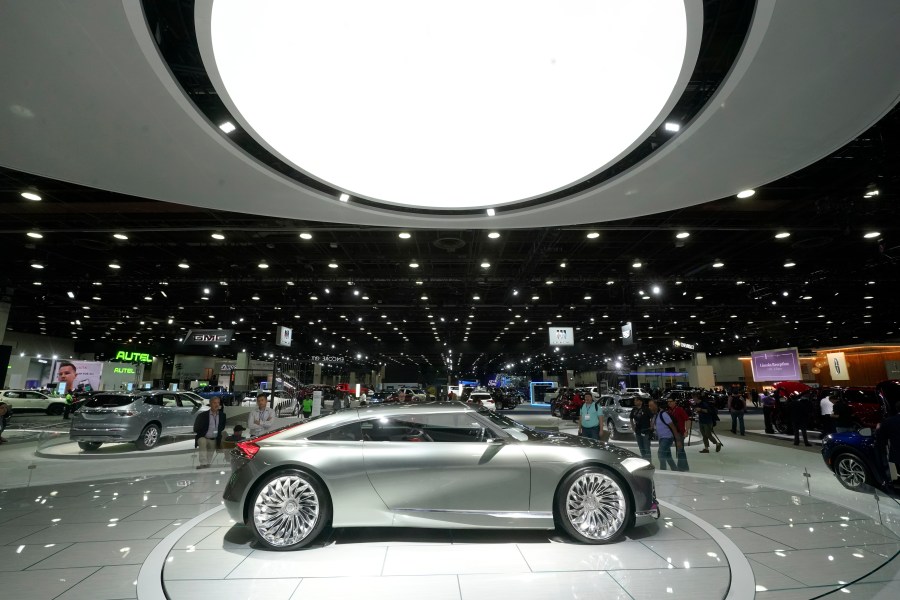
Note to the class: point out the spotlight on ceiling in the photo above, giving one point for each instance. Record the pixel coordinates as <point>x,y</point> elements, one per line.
<point>31,195</point>
<point>718,264</point>
<point>673,127</point>
<point>305,236</point>
<point>872,234</point>
<point>593,235</point>
<point>217,236</point>
<point>404,235</point>
<point>682,235</point>
<point>344,197</point>
<point>782,235</point>
<point>34,234</point>
<point>184,265</point>
<point>493,235</point>
<point>120,236</point>
<point>227,127</point>
<point>745,193</point>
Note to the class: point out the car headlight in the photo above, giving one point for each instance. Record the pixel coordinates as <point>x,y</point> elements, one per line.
<point>633,463</point>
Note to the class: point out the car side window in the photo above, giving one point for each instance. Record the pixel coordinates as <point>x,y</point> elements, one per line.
<point>437,427</point>
<point>185,401</point>
<point>153,400</point>
<point>33,396</point>
<point>14,394</point>
<point>350,432</point>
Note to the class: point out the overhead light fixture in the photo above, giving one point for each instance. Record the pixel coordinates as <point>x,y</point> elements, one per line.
<point>491,212</point>
<point>535,297</point>
<point>71,295</point>
<point>782,235</point>
<point>636,264</point>
<point>36,265</point>
<point>655,289</point>
<point>718,264</point>
<point>305,236</point>
<point>671,126</point>
<point>113,265</point>
<point>120,236</point>
<point>34,234</point>
<point>263,265</point>
<point>745,193</point>
<point>872,234</point>
<point>790,264</point>
<point>494,235</point>
<point>254,297</point>
<point>31,195</point>
<point>344,197</point>
<point>485,265</point>
<point>404,235</point>
<point>332,265</point>
<point>414,265</point>
<point>217,236</point>
<point>549,282</point>
<point>476,297</point>
<point>184,265</point>
<point>227,127</point>
<point>593,235</point>
<point>682,235</point>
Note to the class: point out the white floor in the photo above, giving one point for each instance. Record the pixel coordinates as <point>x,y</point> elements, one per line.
<point>73,526</point>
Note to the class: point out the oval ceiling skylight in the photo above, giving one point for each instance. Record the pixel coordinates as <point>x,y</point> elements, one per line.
<point>449,105</point>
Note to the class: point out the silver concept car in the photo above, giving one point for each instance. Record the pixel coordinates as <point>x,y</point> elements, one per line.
<point>438,465</point>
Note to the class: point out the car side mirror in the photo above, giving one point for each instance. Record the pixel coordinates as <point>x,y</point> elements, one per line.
<point>496,441</point>
<point>865,432</point>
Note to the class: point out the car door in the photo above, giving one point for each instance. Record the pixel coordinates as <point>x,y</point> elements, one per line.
<point>186,413</point>
<point>445,462</point>
<point>37,401</point>
<point>167,407</point>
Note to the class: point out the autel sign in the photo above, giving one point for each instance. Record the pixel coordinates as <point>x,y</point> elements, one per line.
<point>133,356</point>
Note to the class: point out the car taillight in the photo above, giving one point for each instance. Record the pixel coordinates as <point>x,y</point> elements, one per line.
<point>248,449</point>
<point>125,413</point>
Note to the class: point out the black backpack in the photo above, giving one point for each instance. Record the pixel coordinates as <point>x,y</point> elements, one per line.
<point>737,403</point>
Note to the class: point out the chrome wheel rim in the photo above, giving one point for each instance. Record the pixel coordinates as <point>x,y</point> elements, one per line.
<point>851,472</point>
<point>150,436</point>
<point>596,506</point>
<point>286,510</point>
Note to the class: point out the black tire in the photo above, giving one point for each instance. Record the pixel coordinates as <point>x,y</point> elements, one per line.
<point>596,488</point>
<point>852,471</point>
<point>149,437</point>
<point>779,424</point>
<point>56,409</point>
<point>89,446</point>
<point>288,497</point>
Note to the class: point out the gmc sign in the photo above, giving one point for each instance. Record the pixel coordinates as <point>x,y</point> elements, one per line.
<point>208,337</point>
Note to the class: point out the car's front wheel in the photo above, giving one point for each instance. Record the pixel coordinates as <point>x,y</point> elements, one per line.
<point>593,506</point>
<point>289,510</point>
<point>851,471</point>
<point>89,445</point>
<point>149,437</point>
<point>56,409</point>
<point>611,427</point>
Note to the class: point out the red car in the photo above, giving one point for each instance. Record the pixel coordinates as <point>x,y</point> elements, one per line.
<point>867,405</point>
<point>350,388</point>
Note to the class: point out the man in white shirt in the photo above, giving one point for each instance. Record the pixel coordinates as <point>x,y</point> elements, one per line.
<point>826,408</point>
<point>262,419</point>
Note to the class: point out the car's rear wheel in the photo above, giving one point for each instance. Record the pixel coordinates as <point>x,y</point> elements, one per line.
<point>289,510</point>
<point>149,437</point>
<point>89,445</point>
<point>851,471</point>
<point>593,506</point>
<point>780,424</point>
<point>56,409</point>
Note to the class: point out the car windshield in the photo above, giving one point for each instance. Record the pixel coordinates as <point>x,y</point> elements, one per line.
<point>512,428</point>
<point>863,396</point>
<point>109,401</point>
<point>626,402</point>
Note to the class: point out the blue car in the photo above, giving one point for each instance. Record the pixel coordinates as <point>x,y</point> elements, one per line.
<point>856,460</point>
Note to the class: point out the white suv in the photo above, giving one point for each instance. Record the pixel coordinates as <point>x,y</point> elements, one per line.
<point>635,392</point>
<point>22,400</point>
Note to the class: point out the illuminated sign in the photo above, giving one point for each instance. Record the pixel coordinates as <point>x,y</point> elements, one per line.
<point>627,334</point>
<point>127,370</point>
<point>562,336</point>
<point>283,336</point>
<point>134,356</point>
<point>683,345</point>
<point>208,337</point>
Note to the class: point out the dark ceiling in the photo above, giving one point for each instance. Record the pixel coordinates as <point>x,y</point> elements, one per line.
<point>841,290</point>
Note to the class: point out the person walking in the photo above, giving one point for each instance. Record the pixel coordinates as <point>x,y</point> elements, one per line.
<point>307,405</point>
<point>708,415</point>
<point>208,428</point>
<point>768,402</point>
<point>737,406</point>
<point>754,397</point>
<point>798,411</point>
<point>590,423</point>
<point>680,418</point>
<point>640,425</point>
<point>665,433</point>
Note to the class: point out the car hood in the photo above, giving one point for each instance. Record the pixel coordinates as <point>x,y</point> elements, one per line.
<point>555,439</point>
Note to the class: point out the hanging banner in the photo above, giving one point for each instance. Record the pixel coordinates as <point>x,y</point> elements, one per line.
<point>208,337</point>
<point>837,364</point>
<point>782,364</point>
<point>627,334</point>
<point>283,336</point>
<point>562,336</point>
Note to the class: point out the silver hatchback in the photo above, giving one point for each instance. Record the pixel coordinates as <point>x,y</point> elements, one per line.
<point>141,418</point>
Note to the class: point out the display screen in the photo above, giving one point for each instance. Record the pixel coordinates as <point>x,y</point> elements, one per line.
<point>782,364</point>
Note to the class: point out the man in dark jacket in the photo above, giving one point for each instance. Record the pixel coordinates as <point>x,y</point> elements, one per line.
<point>208,428</point>
<point>887,436</point>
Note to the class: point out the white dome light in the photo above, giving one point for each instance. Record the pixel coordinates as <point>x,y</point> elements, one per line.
<point>390,101</point>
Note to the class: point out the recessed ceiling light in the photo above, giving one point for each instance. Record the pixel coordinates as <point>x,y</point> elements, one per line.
<point>782,234</point>
<point>593,235</point>
<point>535,297</point>
<point>562,265</point>
<point>404,235</point>
<point>636,264</point>
<point>217,236</point>
<point>37,265</point>
<point>184,265</point>
<point>491,212</point>
<point>227,127</point>
<point>587,297</point>
<point>872,234</point>
<point>31,195</point>
<point>549,282</point>
<point>34,234</point>
<point>114,265</point>
<point>332,265</point>
<point>313,297</point>
<point>745,193</point>
<point>120,236</point>
<point>305,236</point>
<point>790,264</point>
<point>739,282</point>
<point>672,127</point>
<point>476,297</point>
<point>494,235</point>
<point>718,264</point>
<point>682,235</point>
<point>263,265</point>
<point>344,197</point>
<point>485,265</point>
<point>414,265</point>
<point>254,297</point>
<point>698,297</point>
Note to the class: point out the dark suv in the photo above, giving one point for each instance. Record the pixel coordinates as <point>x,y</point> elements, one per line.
<point>866,403</point>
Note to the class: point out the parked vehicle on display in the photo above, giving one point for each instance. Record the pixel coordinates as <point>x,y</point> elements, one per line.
<point>350,388</point>
<point>433,465</point>
<point>31,400</point>
<point>617,412</point>
<point>868,406</point>
<point>483,398</point>
<point>856,461</point>
<point>635,392</point>
<point>276,397</point>
<point>568,405</point>
<point>228,398</point>
<point>376,397</point>
<point>141,417</point>
<point>407,395</point>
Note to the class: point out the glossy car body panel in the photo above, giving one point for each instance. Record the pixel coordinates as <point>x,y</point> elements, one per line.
<point>493,480</point>
<point>172,411</point>
<point>863,447</point>
<point>27,400</point>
